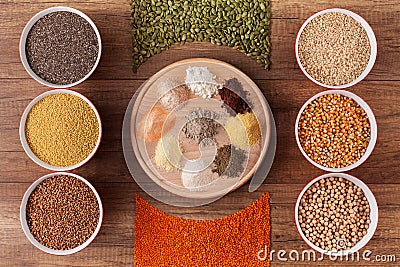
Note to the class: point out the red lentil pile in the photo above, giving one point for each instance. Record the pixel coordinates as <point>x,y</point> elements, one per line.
<point>334,131</point>
<point>164,240</point>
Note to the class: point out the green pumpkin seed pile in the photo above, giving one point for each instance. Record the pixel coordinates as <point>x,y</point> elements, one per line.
<point>240,24</point>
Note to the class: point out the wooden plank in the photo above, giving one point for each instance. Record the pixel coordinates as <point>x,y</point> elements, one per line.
<point>113,84</point>
<point>112,97</point>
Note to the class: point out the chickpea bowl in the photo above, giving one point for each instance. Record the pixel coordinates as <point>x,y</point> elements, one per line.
<point>336,48</point>
<point>336,214</point>
<point>336,130</point>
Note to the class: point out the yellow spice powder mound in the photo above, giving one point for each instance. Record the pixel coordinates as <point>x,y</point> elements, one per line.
<point>62,129</point>
<point>168,153</point>
<point>244,130</point>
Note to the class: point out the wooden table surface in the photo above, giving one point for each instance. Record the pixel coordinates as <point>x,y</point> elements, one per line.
<point>112,86</point>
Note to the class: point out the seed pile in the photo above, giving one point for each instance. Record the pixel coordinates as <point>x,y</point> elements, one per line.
<point>201,126</point>
<point>175,97</point>
<point>168,153</point>
<point>229,161</point>
<point>62,129</point>
<point>62,212</point>
<point>334,49</point>
<point>62,47</point>
<point>241,24</point>
<point>334,131</point>
<point>164,240</point>
<point>334,214</point>
<point>233,95</point>
<point>244,130</point>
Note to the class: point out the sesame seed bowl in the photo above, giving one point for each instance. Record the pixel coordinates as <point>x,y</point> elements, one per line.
<point>350,220</point>
<point>336,130</point>
<point>324,34</point>
<point>60,47</point>
<point>60,130</point>
<point>61,213</point>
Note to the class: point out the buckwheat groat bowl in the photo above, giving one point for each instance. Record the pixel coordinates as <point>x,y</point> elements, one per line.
<point>60,130</point>
<point>336,130</point>
<point>61,213</point>
<point>336,48</point>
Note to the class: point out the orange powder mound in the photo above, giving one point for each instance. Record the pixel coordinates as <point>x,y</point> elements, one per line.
<point>235,240</point>
<point>157,121</point>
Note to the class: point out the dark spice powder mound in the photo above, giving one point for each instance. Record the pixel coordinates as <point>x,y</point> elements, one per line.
<point>201,124</point>
<point>62,47</point>
<point>229,161</point>
<point>62,212</point>
<point>233,95</point>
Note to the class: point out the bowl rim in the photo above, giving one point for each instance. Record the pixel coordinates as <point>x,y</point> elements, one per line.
<point>25,226</point>
<point>374,214</point>
<point>371,38</point>
<point>28,27</point>
<point>372,122</point>
<point>173,189</point>
<point>26,146</point>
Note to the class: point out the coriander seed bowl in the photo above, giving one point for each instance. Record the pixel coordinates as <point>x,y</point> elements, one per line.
<point>67,64</point>
<point>26,225</point>
<point>341,246</point>
<point>310,50</point>
<point>315,145</point>
<point>63,134</point>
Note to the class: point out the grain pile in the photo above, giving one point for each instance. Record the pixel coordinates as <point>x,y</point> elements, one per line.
<point>334,49</point>
<point>62,47</point>
<point>334,131</point>
<point>62,212</point>
<point>62,129</point>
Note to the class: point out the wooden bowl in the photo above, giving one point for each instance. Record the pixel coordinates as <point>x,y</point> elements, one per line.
<point>148,98</point>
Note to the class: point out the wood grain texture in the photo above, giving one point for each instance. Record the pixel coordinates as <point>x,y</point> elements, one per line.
<point>112,86</point>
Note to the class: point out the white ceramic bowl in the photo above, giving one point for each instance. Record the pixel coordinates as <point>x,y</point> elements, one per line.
<point>373,214</point>
<point>25,144</point>
<point>372,122</point>
<point>372,41</point>
<point>24,223</point>
<point>29,26</point>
